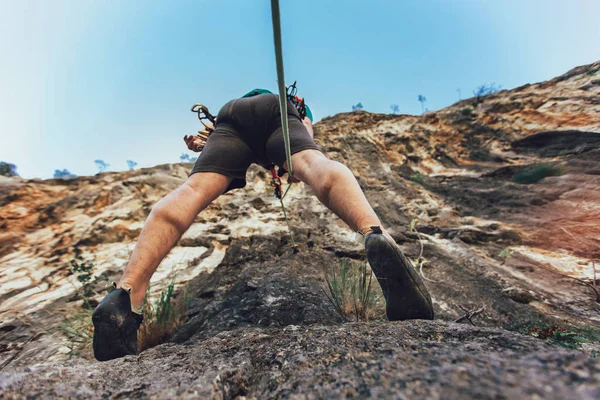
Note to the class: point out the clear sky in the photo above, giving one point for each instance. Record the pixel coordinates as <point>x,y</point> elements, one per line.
<point>114,80</point>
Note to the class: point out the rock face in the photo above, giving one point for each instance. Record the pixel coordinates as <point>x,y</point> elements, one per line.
<point>381,360</point>
<point>260,325</point>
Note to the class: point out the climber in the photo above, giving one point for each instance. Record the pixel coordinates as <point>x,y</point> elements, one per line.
<point>248,130</point>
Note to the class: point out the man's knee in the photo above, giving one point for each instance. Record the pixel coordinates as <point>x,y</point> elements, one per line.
<point>307,161</point>
<point>208,183</point>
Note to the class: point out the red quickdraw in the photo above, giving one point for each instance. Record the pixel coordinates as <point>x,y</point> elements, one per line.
<point>276,183</point>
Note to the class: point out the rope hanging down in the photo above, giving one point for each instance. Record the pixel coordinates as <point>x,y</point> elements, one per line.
<point>281,83</point>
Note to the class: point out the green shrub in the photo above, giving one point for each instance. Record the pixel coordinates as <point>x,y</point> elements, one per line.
<point>352,291</point>
<point>8,169</point>
<point>537,173</point>
<point>162,318</point>
<point>467,112</point>
<point>83,270</point>
<point>571,339</point>
<point>77,328</point>
<point>417,177</point>
<point>592,71</point>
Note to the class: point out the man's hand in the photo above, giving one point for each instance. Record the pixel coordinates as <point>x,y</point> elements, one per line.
<point>195,142</point>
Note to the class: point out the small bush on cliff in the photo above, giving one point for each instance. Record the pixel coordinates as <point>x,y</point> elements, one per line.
<point>537,173</point>
<point>162,318</point>
<point>481,91</point>
<point>562,337</point>
<point>77,326</point>
<point>353,291</point>
<point>8,169</point>
<point>131,165</point>
<point>64,174</point>
<point>572,338</point>
<point>187,158</point>
<point>417,177</point>
<point>101,165</point>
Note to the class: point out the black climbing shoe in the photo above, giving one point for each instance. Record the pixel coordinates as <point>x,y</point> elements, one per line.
<point>405,294</point>
<point>115,326</point>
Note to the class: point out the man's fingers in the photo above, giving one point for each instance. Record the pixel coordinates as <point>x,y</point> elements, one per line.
<point>196,143</point>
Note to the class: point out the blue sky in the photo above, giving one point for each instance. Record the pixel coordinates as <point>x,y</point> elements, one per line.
<point>114,80</point>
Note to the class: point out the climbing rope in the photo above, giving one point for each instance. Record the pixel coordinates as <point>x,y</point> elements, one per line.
<point>283,98</point>
<point>281,83</point>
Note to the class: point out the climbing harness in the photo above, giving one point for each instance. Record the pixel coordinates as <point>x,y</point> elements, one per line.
<point>276,184</point>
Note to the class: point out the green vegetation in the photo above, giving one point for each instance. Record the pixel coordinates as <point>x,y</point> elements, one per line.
<point>484,90</point>
<point>64,174</point>
<point>422,99</point>
<point>417,177</point>
<point>78,331</point>
<point>83,271</point>
<point>559,336</point>
<point>101,165</point>
<point>77,328</point>
<point>353,293</point>
<point>467,111</point>
<point>162,318</point>
<point>569,338</point>
<point>537,173</point>
<point>8,169</point>
<point>592,71</point>
<point>358,106</point>
<point>187,158</point>
<point>131,165</point>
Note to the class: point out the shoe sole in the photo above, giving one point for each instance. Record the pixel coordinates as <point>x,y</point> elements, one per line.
<point>405,293</point>
<point>108,343</point>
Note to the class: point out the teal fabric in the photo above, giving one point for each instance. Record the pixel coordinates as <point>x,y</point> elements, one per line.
<point>256,92</point>
<point>308,113</point>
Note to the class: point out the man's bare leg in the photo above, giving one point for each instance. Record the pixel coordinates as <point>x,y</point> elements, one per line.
<point>335,186</point>
<point>169,219</point>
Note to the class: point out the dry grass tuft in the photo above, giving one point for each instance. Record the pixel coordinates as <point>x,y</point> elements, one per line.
<point>162,318</point>
<point>353,291</point>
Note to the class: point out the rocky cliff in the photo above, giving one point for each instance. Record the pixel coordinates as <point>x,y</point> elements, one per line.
<point>260,325</point>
